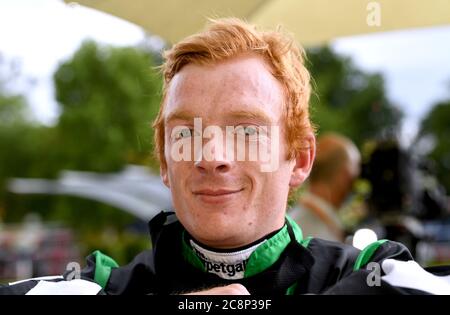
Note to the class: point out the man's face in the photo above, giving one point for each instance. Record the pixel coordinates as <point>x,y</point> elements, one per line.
<point>225,202</point>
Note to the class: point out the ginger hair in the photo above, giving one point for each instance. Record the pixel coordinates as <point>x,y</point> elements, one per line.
<point>229,37</point>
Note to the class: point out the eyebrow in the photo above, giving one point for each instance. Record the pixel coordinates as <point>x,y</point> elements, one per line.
<point>181,115</point>
<point>255,114</point>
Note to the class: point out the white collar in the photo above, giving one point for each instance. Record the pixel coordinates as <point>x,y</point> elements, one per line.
<point>227,265</point>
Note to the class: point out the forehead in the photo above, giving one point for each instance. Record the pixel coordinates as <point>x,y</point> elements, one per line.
<point>242,83</point>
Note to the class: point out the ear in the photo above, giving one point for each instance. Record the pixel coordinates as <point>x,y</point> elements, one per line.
<point>164,175</point>
<point>303,162</point>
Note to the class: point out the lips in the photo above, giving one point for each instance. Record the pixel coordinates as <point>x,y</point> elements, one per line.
<point>216,196</point>
<point>216,192</point>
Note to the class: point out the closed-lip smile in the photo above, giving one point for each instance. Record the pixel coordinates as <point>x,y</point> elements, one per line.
<point>216,192</point>
<point>216,196</point>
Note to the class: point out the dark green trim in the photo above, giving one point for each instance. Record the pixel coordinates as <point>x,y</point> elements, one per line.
<point>103,265</point>
<point>306,241</point>
<point>270,251</point>
<point>267,253</point>
<point>291,289</point>
<point>297,230</point>
<point>190,255</point>
<point>366,254</point>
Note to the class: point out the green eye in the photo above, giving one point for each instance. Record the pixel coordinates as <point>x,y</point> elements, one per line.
<point>250,131</point>
<point>246,131</point>
<point>183,133</point>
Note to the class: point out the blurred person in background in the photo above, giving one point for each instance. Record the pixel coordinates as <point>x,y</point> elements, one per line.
<point>336,167</point>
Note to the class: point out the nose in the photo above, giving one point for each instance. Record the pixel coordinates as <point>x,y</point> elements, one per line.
<point>213,159</point>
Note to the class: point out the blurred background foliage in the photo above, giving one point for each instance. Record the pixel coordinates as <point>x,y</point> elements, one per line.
<point>436,128</point>
<point>348,100</point>
<point>108,97</point>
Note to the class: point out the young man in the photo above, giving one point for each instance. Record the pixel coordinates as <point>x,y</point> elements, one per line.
<point>233,136</point>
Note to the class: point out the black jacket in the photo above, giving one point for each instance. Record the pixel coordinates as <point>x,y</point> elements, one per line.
<point>309,266</point>
<point>298,266</point>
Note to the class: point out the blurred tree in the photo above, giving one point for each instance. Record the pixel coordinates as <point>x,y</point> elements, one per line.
<point>108,98</point>
<point>18,134</point>
<point>348,100</point>
<point>12,125</point>
<point>435,130</point>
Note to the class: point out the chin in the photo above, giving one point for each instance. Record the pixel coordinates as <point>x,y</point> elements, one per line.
<point>217,230</point>
<point>220,239</point>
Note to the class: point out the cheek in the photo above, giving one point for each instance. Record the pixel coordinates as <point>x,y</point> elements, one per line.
<point>180,178</point>
<point>272,185</point>
<point>175,172</point>
<point>282,179</point>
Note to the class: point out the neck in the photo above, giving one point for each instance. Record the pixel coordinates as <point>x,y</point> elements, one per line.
<point>235,248</point>
<point>240,240</point>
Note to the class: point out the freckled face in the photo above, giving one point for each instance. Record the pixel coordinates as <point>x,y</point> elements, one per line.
<point>226,203</point>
